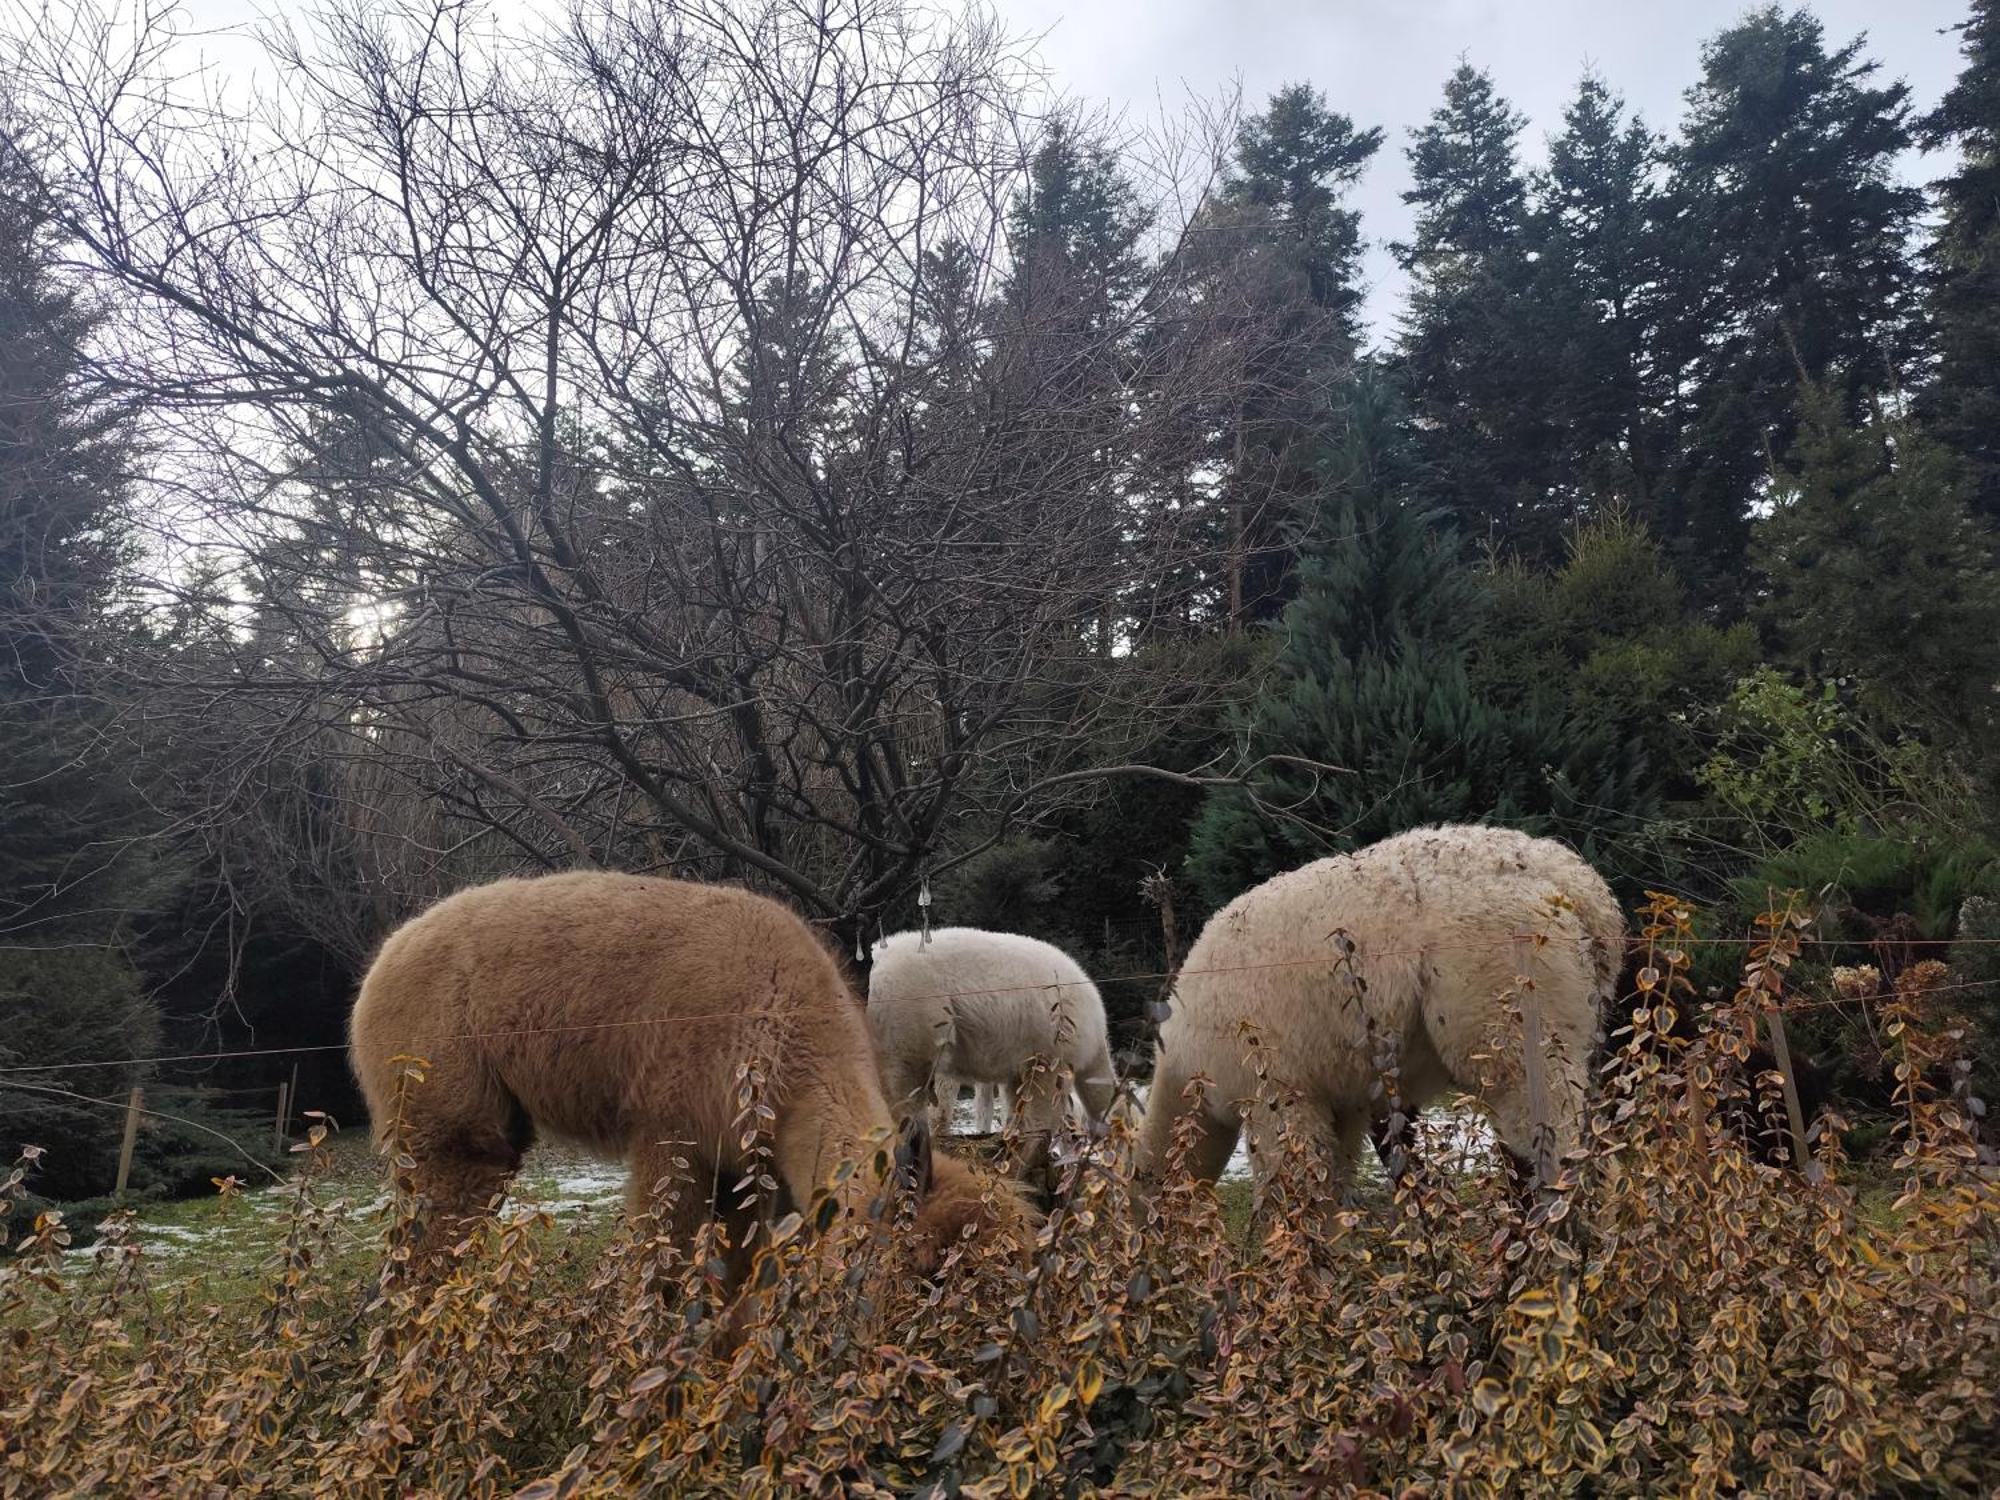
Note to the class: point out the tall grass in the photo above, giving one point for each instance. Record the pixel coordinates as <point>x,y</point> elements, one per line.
<point>1676,1316</point>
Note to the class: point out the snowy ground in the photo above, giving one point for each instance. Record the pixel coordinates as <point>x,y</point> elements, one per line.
<point>201,1233</point>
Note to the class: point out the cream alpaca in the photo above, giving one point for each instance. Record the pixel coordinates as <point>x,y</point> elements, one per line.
<point>1436,918</point>
<point>973,1006</point>
<point>613,1011</point>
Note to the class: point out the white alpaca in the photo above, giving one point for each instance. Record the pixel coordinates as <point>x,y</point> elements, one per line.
<point>1438,919</point>
<point>970,1006</point>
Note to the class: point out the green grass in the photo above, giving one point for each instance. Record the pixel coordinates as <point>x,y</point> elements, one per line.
<point>219,1248</point>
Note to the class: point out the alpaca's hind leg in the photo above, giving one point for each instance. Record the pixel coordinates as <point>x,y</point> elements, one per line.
<point>1326,1144</point>
<point>983,1095</point>
<point>671,1184</point>
<point>1499,1084</point>
<point>463,1161</point>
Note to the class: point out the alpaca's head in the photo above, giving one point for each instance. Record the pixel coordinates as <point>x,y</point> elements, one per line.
<point>953,1198</point>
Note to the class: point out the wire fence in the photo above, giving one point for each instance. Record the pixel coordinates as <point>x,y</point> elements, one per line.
<point>1789,1005</point>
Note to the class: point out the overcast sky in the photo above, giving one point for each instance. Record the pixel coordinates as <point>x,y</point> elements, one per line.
<point>1383,62</point>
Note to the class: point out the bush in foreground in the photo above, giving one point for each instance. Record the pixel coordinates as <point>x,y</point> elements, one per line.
<point>1673,1317</point>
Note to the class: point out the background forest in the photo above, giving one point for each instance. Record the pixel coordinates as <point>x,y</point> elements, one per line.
<point>782,448</point>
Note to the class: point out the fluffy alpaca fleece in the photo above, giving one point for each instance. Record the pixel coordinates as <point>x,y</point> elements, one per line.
<point>1434,916</point>
<point>613,1011</point>
<point>971,1006</point>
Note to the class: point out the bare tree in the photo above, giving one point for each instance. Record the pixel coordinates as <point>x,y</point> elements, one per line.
<point>587,439</point>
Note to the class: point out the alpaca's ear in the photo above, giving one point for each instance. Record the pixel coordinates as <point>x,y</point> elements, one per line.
<point>913,1156</point>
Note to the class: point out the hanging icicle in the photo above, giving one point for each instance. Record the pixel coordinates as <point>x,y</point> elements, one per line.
<point>924,911</point>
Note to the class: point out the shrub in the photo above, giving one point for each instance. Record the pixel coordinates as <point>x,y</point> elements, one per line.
<point>1673,1317</point>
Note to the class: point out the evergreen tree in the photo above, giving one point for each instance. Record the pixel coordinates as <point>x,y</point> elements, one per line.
<point>1372,678</point>
<point>1611,638</point>
<point>1962,405</point>
<point>1790,243</point>
<point>1281,248</point>
<point>1879,572</point>
<point>1295,163</point>
<point>1064,332</point>
<point>68,810</point>
<point>71,812</point>
<point>1073,237</point>
<point>1597,290</point>
<point>1471,346</point>
<point>788,386</point>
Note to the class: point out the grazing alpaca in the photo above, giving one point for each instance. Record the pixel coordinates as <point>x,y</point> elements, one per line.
<point>614,1011</point>
<point>1435,917</point>
<point>973,1007</point>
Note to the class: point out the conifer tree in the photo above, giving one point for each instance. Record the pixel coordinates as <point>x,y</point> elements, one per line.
<point>1282,238</point>
<point>1597,292</point>
<point>66,812</point>
<point>1471,348</point>
<point>1878,572</point>
<point>1065,324</point>
<point>1372,678</point>
<point>1790,241</point>
<point>1961,407</point>
<point>74,867</point>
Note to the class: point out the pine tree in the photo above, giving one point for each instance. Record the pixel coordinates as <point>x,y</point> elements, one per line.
<point>788,385</point>
<point>1470,350</point>
<point>1961,407</point>
<point>1597,287</point>
<point>1790,243</point>
<point>1372,678</point>
<point>1273,270</point>
<point>74,865</point>
<point>66,814</point>
<point>1073,238</point>
<point>1878,572</point>
<point>1295,163</point>
<point>1063,333</point>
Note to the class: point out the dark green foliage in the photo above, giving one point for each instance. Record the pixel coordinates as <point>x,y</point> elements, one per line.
<point>1858,881</point>
<point>1790,243</point>
<point>69,806</point>
<point>1961,406</point>
<point>1273,265</point>
<point>1596,290</point>
<point>77,858</point>
<point>1078,884</point>
<point>1887,900</point>
<point>1372,679</point>
<point>1294,164</point>
<point>1610,638</point>
<point>70,1004</point>
<point>1073,237</point>
<point>1009,887</point>
<point>1471,353</point>
<point>1878,572</point>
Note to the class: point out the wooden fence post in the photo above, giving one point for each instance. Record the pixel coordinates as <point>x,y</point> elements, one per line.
<point>278,1126</point>
<point>134,1106</point>
<point>1794,1111</point>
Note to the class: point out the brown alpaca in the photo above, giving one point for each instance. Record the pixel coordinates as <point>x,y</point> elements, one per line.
<point>614,1011</point>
